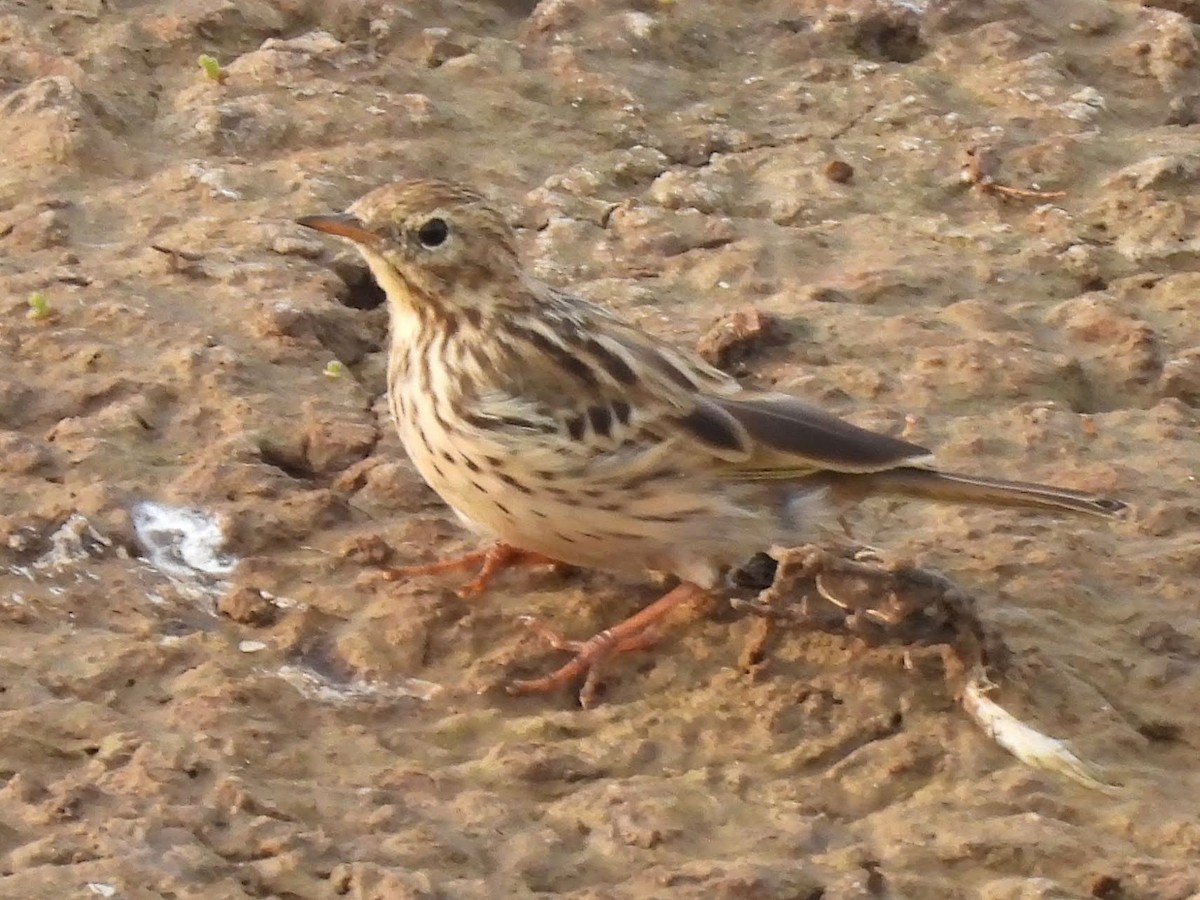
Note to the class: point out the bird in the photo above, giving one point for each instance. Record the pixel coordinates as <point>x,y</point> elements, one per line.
<point>559,431</point>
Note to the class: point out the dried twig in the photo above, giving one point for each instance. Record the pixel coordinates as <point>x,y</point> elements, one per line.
<point>856,594</point>
<point>182,261</point>
<point>979,168</point>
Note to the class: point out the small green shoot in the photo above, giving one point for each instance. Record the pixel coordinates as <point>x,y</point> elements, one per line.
<point>334,369</point>
<point>212,69</point>
<point>39,307</point>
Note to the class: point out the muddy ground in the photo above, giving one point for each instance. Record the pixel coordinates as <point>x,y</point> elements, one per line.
<point>255,712</point>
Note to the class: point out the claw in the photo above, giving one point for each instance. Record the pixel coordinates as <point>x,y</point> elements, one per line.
<point>638,632</point>
<point>491,561</point>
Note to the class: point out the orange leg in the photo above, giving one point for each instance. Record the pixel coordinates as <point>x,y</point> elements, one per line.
<point>635,633</point>
<point>491,560</point>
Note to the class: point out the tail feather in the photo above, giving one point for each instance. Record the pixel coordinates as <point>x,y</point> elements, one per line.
<point>951,486</point>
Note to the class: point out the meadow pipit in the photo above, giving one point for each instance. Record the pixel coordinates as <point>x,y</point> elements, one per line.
<point>564,433</point>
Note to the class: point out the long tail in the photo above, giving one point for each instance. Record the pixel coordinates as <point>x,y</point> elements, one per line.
<point>934,485</point>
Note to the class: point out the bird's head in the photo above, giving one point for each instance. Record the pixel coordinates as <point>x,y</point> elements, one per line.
<point>430,244</point>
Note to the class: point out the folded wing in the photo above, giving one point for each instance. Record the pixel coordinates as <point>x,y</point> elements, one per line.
<point>793,438</point>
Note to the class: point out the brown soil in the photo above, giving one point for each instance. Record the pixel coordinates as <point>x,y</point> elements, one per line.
<point>300,727</point>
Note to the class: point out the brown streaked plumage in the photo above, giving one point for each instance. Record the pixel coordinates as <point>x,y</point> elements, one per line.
<point>552,426</point>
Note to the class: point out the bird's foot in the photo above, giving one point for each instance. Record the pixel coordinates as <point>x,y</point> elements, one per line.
<point>491,561</point>
<point>638,632</point>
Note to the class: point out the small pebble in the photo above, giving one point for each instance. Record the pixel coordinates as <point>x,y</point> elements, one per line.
<point>839,171</point>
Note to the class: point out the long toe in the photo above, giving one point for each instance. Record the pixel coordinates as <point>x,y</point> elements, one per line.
<point>491,561</point>
<point>437,567</point>
<point>496,559</point>
<point>638,632</point>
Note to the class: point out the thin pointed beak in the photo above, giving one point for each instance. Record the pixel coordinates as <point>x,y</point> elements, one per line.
<point>341,224</point>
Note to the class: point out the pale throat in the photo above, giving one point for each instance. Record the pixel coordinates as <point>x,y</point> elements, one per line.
<point>402,308</point>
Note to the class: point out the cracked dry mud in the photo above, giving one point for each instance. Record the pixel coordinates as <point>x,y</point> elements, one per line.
<point>280,721</point>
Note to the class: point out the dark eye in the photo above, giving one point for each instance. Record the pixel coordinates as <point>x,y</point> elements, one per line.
<point>433,233</point>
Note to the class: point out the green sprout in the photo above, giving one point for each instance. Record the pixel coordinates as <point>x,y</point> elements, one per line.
<point>212,69</point>
<point>334,369</point>
<point>39,307</point>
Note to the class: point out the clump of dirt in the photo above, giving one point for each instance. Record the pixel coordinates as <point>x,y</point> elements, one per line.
<point>736,337</point>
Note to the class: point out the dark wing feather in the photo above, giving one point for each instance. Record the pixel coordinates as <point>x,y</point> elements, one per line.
<point>674,393</point>
<point>795,437</point>
<point>719,432</point>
